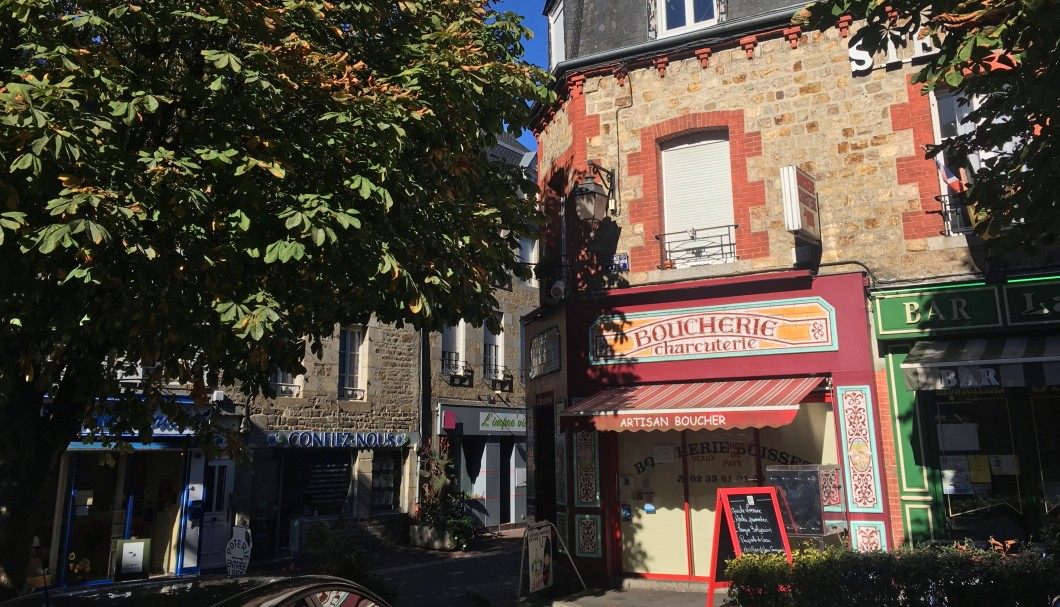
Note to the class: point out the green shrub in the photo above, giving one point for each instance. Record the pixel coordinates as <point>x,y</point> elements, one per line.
<point>956,576</point>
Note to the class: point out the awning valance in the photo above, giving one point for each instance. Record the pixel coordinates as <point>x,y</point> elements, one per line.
<point>716,405</point>
<point>983,362</point>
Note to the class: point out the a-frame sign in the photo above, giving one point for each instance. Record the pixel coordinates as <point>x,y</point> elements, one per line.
<point>746,519</point>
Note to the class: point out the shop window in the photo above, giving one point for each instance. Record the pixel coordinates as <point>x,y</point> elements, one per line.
<point>697,202</point>
<point>981,475</point>
<point>1046,411</point>
<point>351,372</point>
<point>557,50</point>
<point>386,480</point>
<point>680,16</point>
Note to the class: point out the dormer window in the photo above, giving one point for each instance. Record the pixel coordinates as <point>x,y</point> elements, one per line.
<point>556,39</point>
<point>680,16</point>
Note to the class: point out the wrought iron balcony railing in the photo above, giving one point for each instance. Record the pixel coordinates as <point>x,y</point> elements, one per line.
<point>458,371</point>
<point>956,214</point>
<point>352,393</point>
<point>288,390</point>
<point>500,379</point>
<point>699,246</point>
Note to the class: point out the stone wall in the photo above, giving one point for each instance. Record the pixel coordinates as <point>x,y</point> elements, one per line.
<point>785,100</point>
<point>392,398</point>
<point>515,304</point>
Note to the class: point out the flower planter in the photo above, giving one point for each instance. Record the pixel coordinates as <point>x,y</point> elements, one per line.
<point>423,536</point>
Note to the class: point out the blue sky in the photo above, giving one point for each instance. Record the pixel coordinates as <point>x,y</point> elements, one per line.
<point>536,49</point>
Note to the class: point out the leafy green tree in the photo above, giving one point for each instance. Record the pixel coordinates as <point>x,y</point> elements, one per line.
<point>1004,54</point>
<point>206,188</point>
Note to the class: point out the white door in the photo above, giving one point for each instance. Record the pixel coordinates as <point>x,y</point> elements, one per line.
<point>218,482</point>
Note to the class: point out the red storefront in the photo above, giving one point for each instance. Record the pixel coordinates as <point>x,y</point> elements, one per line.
<point>662,394</point>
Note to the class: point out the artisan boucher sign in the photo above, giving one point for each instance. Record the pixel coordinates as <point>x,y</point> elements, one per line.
<point>754,329</point>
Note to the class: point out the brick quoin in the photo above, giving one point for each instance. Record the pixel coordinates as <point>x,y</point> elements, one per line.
<point>648,210</point>
<point>572,162</point>
<point>915,115</point>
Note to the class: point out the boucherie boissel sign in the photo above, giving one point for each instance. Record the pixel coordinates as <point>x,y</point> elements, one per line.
<point>760,328</point>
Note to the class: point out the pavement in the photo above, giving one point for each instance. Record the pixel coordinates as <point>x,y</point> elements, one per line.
<point>489,575</point>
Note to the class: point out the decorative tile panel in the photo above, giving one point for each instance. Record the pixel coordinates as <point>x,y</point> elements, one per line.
<point>588,540</point>
<point>586,470</point>
<point>830,496</point>
<point>859,449</point>
<point>867,536</point>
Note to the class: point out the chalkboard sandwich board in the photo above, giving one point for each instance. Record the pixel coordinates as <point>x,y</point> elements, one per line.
<point>746,519</point>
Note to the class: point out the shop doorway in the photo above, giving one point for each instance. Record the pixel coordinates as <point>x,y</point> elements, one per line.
<point>131,496</point>
<point>218,482</point>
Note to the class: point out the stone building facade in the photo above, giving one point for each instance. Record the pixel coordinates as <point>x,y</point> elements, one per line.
<point>753,168</point>
<point>477,388</point>
<point>337,445</point>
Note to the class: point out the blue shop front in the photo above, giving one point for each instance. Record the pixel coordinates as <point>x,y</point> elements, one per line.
<point>161,508</point>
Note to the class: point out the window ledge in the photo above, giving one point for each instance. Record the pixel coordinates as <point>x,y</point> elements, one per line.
<point>700,271</point>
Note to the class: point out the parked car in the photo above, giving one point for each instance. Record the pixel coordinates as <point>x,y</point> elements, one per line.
<point>211,591</point>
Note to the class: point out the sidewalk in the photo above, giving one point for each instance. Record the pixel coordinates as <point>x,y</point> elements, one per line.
<point>639,597</point>
<point>488,576</point>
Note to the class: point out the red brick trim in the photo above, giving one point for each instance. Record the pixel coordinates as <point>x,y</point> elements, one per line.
<point>748,44</point>
<point>793,34</point>
<point>576,83</point>
<point>843,23</point>
<point>648,209</point>
<point>916,115</point>
<point>660,64</point>
<point>703,55</point>
<point>890,460</point>
<point>556,180</point>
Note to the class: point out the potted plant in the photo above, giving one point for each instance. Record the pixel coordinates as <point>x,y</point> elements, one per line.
<point>444,520</point>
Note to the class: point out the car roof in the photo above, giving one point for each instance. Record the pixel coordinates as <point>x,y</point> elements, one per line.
<point>190,591</point>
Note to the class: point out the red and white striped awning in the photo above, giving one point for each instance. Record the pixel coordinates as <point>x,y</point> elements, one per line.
<point>719,405</point>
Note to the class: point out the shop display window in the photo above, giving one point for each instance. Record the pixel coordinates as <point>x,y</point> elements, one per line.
<point>1046,412</point>
<point>386,480</point>
<point>979,466</point>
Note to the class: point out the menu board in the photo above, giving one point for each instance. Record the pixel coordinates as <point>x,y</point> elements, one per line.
<point>747,519</point>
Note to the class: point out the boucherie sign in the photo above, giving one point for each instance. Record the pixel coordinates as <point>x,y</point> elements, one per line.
<point>785,326</point>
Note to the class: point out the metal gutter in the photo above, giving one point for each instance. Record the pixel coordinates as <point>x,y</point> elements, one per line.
<point>689,41</point>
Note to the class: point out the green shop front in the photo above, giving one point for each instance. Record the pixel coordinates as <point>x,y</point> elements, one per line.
<point>974,380</point>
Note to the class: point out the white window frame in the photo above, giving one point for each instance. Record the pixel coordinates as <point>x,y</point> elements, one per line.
<point>286,384</point>
<point>528,254</point>
<point>697,200</point>
<point>351,383</point>
<point>557,49</point>
<point>664,27</point>
<point>955,219</point>
<point>453,342</point>
<point>493,352</point>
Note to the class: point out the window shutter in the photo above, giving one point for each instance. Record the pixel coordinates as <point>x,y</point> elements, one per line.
<point>697,187</point>
<point>452,338</point>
